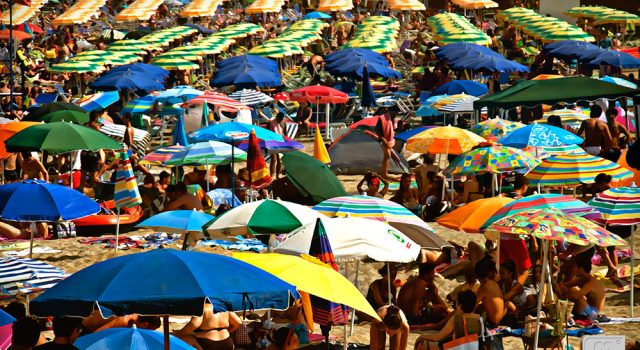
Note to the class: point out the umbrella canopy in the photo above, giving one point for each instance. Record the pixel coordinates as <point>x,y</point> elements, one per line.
<point>140,105</point>
<point>251,97</point>
<point>355,239</point>
<point>616,59</point>
<point>175,64</point>
<point>67,116</point>
<point>26,276</point>
<point>35,200</point>
<point>100,100</point>
<point>540,135</point>
<point>349,55</point>
<point>470,217</point>
<point>495,128</point>
<point>263,217</point>
<point>386,211</point>
<point>573,169</point>
<point>139,68</point>
<point>306,172</point>
<point>163,282</point>
<point>178,94</point>
<point>246,77</point>
<point>566,204</point>
<point>619,81</point>
<point>17,35</point>
<point>207,152</point>
<point>468,87</point>
<point>318,94</point>
<point>405,135</point>
<point>128,338</point>
<point>316,15</point>
<point>553,224</point>
<point>495,159</point>
<point>126,193</point>
<point>178,221</point>
<point>112,34</point>
<point>232,132</point>
<point>48,108</point>
<point>619,206</point>
<point>60,137</point>
<point>355,69</point>
<point>443,140</point>
<point>9,129</point>
<point>128,80</point>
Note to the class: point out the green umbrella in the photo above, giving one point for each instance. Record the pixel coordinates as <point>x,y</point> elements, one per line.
<point>618,17</point>
<point>76,67</point>
<point>175,64</point>
<point>189,56</point>
<point>60,137</point>
<point>48,108</point>
<point>66,116</point>
<point>313,179</point>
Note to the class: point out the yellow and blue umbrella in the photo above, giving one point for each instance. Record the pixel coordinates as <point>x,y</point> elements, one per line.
<point>574,169</point>
<point>493,160</point>
<point>126,193</point>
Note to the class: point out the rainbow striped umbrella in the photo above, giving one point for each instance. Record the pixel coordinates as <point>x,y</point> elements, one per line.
<point>126,193</point>
<point>553,224</point>
<point>386,211</point>
<point>495,128</point>
<point>495,159</point>
<point>160,156</point>
<point>566,204</point>
<point>619,206</point>
<point>574,169</point>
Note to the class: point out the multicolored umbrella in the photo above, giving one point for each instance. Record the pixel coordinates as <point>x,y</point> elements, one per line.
<point>574,169</point>
<point>140,105</point>
<point>566,204</point>
<point>540,135</point>
<point>470,217</point>
<point>494,160</point>
<point>126,193</point>
<point>160,156</point>
<point>99,100</point>
<point>553,224</point>
<point>26,276</point>
<point>567,116</point>
<point>206,152</point>
<point>495,128</point>
<point>443,140</point>
<point>619,206</point>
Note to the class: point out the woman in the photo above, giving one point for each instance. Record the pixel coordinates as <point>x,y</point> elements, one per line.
<point>395,324</point>
<point>373,185</point>
<point>378,293</point>
<point>211,331</point>
<point>471,191</point>
<point>407,196</point>
<point>514,294</point>
<point>303,117</point>
<point>462,317</point>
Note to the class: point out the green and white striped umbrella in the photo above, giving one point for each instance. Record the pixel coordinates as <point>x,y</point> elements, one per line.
<point>175,64</point>
<point>182,55</point>
<point>76,67</point>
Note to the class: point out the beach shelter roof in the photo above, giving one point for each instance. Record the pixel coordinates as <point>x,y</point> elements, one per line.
<point>358,151</point>
<point>535,92</point>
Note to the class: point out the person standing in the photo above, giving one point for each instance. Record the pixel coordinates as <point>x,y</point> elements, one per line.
<point>597,138</point>
<point>66,331</point>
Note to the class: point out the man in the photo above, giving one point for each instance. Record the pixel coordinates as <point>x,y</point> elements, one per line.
<point>26,334</point>
<point>181,199</point>
<point>197,177</point>
<point>586,291</point>
<point>490,298</point>
<point>597,138</point>
<point>66,331</point>
<point>616,130</point>
<point>417,293</point>
<point>128,137</point>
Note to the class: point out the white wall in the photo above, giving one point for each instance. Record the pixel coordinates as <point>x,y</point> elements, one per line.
<point>556,8</point>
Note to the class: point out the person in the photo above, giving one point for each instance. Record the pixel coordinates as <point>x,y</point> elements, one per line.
<point>303,117</point>
<point>470,283</point>
<point>416,295</point>
<point>150,194</point>
<point>471,191</point>
<point>520,187</point>
<point>378,292</point>
<point>66,331</point>
<point>31,167</point>
<point>197,177</point>
<point>10,169</point>
<point>373,185</point>
<point>490,297</point>
<point>407,196</point>
<point>514,295</point>
<point>179,198</point>
<point>464,321</point>
<point>27,333</point>
<point>586,291</point>
<point>616,130</point>
<point>164,179</point>
<point>597,138</point>
<point>601,183</point>
<point>211,331</point>
<point>283,338</point>
<point>128,137</point>
<point>533,289</point>
<point>394,323</point>
<point>93,122</point>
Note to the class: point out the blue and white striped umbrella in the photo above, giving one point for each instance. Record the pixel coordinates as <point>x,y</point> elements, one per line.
<point>26,276</point>
<point>207,152</point>
<point>251,97</point>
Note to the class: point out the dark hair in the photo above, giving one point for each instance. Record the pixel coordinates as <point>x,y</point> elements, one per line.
<point>152,321</point>
<point>26,154</point>
<point>279,337</point>
<point>520,182</point>
<point>392,319</point>
<point>467,300</point>
<point>584,261</point>
<point>510,266</point>
<point>94,115</point>
<point>149,179</point>
<point>611,111</point>
<point>426,268</point>
<point>26,332</point>
<point>596,111</point>
<point>16,309</point>
<point>603,178</point>
<point>383,270</point>
<point>554,120</point>
<point>164,174</point>
<point>484,267</point>
<point>65,326</point>
<point>181,187</point>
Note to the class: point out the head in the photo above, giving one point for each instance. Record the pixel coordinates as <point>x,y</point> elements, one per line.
<point>537,272</point>
<point>596,111</point>
<point>466,301</point>
<point>26,333</point>
<point>392,320</point>
<point>426,271</point>
<point>148,322</point>
<point>149,180</point>
<point>94,115</point>
<point>603,179</point>
<point>26,155</point>
<point>165,178</point>
<point>67,327</point>
<point>507,270</point>
<point>611,114</point>
<point>583,264</point>
<point>405,182</point>
<point>284,338</point>
<point>521,183</point>
<point>554,120</point>
<point>16,309</point>
<point>485,269</point>
<point>126,118</point>
<point>392,269</point>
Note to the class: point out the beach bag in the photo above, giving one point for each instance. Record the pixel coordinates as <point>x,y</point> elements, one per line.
<point>468,342</point>
<point>489,341</point>
<point>241,336</point>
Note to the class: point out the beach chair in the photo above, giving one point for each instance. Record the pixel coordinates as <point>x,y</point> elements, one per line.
<point>550,339</point>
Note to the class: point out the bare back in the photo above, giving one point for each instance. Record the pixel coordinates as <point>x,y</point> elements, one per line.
<point>490,296</point>
<point>411,296</point>
<point>596,133</point>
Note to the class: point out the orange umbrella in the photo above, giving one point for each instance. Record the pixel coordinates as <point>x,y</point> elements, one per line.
<point>9,129</point>
<point>17,35</point>
<point>470,217</point>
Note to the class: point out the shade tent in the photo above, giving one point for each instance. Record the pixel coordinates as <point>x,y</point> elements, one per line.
<point>530,93</point>
<point>357,152</point>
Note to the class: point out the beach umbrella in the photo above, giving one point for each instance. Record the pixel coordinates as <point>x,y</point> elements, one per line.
<point>493,160</point>
<point>26,276</point>
<point>306,172</point>
<point>368,99</point>
<point>443,140</point>
<point>249,60</point>
<point>128,338</point>
<point>316,15</point>
<point>112,34</point>
<point>140,105</point>
<point>251,97</point>
<point>540,135</point>
<point>76,67</point>
<point>495,128</point>
<point>185,55</point>
<point>221,196</point>
<point>98,101</point>
<point>461,49</point>
<point>175,64</point>
<point>206,152</point>
<point>470,217</point>
<point>9,129</point>
<point>619,17</point>
<point>178,94</point>
<point>276,50</point>
<point>126,193</point>
<point>29,27</point>
<point>619,81</point>
<point>355,69</point>
<point>468,87</point>
<point>178,221</point>
<point>493,64</point>
<point>318,94</point>
<point>6,329</point>
<point>273,147</point>
<point>567,116</point>
<point>564,203</point>
<point>405,135</point>
<point>355,53</point>
<point>17,35</point>
<point>262,217</point>
<point>140,68</point>
<point>567,34</point>
<point>232,132</point>
<point>259,175</point>
<point>48,108</point>
<point>60,137</point>
<point>616,59</point>
<point>161,155</point>
<point>128,80</point>
<point>67,116</point>
<point>319,149</point>
<point>386,211</point>
<point>246,77</point>
<point>574,169</point>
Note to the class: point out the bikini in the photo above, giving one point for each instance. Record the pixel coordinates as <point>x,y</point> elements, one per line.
<point>208,344</point>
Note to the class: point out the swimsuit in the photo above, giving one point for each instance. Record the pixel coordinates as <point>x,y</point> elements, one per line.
<point>208,344</point>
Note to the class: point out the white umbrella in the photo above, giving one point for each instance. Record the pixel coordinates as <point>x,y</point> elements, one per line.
<point>251,97</point>
<point>112,34</point>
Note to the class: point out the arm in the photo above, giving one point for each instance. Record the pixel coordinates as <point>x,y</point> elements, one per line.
<point>581,129</point>
<point>608,140</point>
<point>376,293</point>
<point>385,189</point>
<point>443,333</point>
<point>515,290</point>
<point>359,187</point>
<point>190,327</point>
<point>44,172</point>
<point>173,205</point>
<point>234,322</point>
<point>626,132</point>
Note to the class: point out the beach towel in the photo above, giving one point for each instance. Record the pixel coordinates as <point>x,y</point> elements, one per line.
<point>593,330</point>
<point>242,244</point>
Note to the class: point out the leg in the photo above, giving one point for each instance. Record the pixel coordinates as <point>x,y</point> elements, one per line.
<point>377,336</point>
<point>614,260</point>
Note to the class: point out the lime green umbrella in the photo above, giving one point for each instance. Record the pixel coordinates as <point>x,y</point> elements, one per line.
<point>567,35</point>
<point>60,137</point>
<point>377,46</point>
<point>619,17</point>
<point>76,67</point>
<point>128,49</point>
<point>183,55</point>
<point>133,43</point>
<point>66,116</point>
<point>101,53</point>
<point>477,41</point>
<point>470,37</point>
<point>274,51</point>
<point>175,64</point>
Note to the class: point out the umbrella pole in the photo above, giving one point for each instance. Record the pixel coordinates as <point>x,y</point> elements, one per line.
<point>71,170</point>
<point>444,181</point>
<point>117,228</point>
<point>389,282</point>
<point>165,329</point>
<point>542,281</point>
<point>31,242</point>
<point>206,168</point>
<point>326,127</point>
<point>633,264</point>
<point>353,312</point>
<point>233,177</point>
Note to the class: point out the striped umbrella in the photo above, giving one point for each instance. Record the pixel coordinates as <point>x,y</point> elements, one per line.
<point>76,67</point>
<point>574,169</point>
<point>160,156</point>
<point>443,140</point>
<point>470,217</point>
<point>494,160</point>
<point>140,105</point>
<point>251,97</point>
<point>98,101</point>
<point>112,34</point>
<point>386,211</point>
<point>175,64</point>
<point>206,152</point>
<point>189,56</point>
<point>26,276</point>
<point>619,206</point>
<point>495,128</point>
<point>126,193</point>
<point>567,116</point>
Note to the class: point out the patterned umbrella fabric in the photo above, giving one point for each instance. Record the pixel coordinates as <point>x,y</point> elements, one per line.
<point>443,140</point>
<point>567,117</point>
<point>619,206</point>
<point>100,100</point>
<point>540,135</point>
<point>495,159</point>
<point>574,169</point>
<point>495,128</point>
<point>206,152</point>
<point>470,217</point>
<point>26,276</point>
<point>160,156</point>
<point>553,224</point>
<point>251,97</point>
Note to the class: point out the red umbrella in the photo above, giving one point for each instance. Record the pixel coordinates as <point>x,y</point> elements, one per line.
<point>17,35</point>
<point>33,27</point>
<point>319,94</point>
<point>281,96</point>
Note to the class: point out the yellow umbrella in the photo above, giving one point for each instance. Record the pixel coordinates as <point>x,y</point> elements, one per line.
<point>319,149</point>
<point>310,275</point>
<point>443,140</point>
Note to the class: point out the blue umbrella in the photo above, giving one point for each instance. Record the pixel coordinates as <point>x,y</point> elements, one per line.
<point>274,146</point>
<point>250,60</point>
<point>5,318</point>
<point>462,49</point>
<point>246,78</point>
<point>571,48</point>
<point>468,87</point>
<point>128,80</point>
<point>99,101</point>
<point>221,196</point>
<point>365,54</point>
<point>427,109</point>
<point>140,68</point>
<point>566,43</point>
<point>540,135</point>
<point>128,338</point>
<point>232,132</point>
<point>403,136</point>
<point>178,94</point>
<point>164,282</point>
<point>317,15</point>
<point>177,221</point>
<point>616,59</point>
<point>179,134</point>
<point>140,105</point>
<point>368,97</point>
<point>494,64</point>
<point>354,69</point>
<point>619,81</point>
